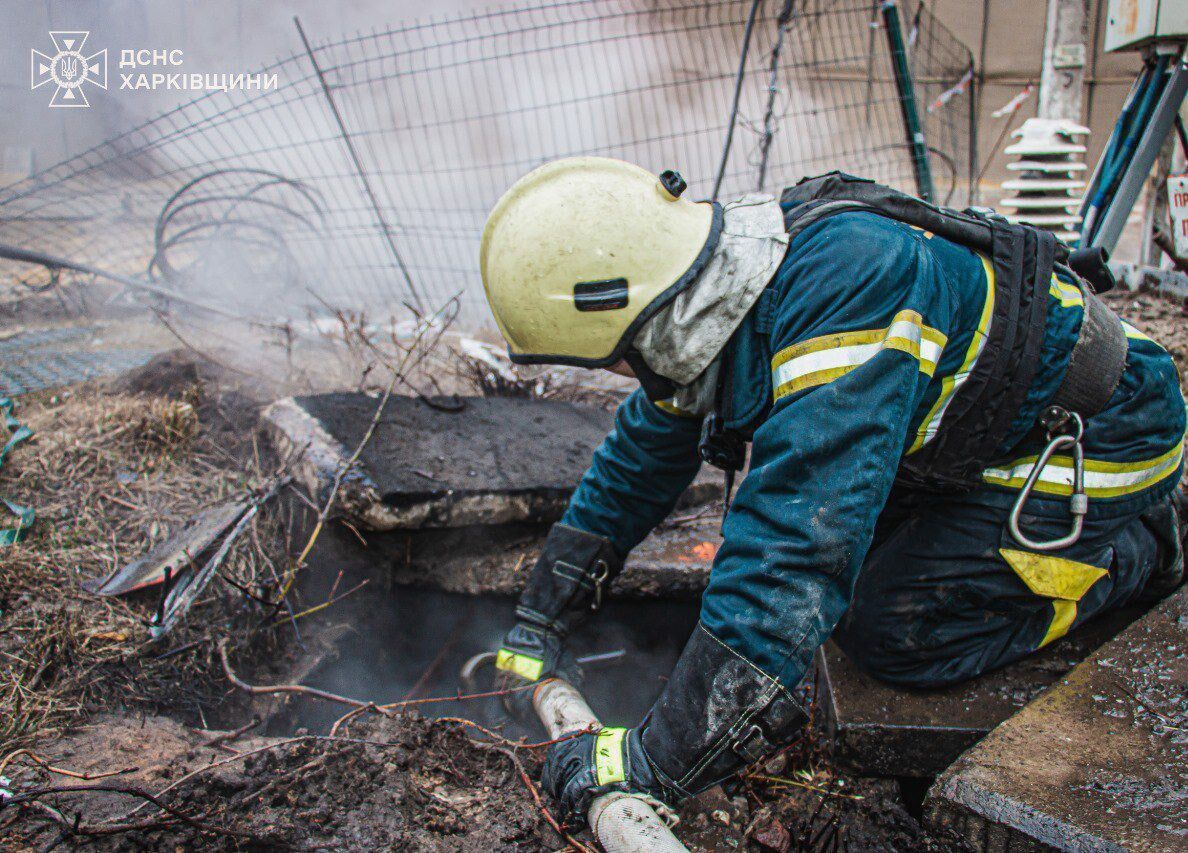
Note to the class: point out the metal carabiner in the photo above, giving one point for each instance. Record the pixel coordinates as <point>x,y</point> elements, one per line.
<point>1078,502</point>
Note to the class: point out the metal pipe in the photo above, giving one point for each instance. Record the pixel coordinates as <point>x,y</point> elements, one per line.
<point>53,262</point>
<point>621,823</point>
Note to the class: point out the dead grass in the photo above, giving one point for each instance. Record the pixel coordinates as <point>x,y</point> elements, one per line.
<point>110,475</point>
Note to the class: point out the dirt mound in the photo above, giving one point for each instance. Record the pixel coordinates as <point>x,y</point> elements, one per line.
<point>169,374</point>
<point>416,785</point>
<point>396,783</point>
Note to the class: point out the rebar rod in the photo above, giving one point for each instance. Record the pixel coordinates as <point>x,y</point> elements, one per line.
<point>738,83</point>
<point>381,220</point>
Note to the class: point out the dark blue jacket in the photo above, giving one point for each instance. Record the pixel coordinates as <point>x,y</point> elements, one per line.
<point>842,368</point>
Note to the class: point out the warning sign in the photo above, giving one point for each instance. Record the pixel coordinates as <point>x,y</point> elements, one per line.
<point>1177,203</point>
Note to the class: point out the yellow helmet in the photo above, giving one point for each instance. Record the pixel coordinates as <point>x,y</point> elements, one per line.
<point>581,252</point>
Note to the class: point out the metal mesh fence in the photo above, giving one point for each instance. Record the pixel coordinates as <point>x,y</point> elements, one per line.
<point>362,181</point>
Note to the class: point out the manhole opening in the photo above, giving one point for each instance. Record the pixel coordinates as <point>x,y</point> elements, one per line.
<point>410,642</point>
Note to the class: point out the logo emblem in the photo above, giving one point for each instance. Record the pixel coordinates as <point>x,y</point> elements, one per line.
<point>69,69</point>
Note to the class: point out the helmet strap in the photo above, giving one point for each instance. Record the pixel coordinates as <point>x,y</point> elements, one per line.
<point>721,446</point>
<point>655,386</point>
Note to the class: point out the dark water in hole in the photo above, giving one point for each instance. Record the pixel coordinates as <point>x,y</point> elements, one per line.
<point>412,645</point>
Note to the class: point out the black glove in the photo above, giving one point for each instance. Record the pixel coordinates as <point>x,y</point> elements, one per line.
<point>565,587</point>
<point>515,669</point>
<point>717,714</point>
<point>594,763</point>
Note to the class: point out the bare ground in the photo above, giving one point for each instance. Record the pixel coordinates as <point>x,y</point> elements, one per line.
<point>110,472</point>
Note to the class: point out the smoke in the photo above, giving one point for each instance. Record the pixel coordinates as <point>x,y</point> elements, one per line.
<point>416,133</point>
<point>216,36</point>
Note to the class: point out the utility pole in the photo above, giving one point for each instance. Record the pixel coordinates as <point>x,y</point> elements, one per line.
<point>1062,78</point>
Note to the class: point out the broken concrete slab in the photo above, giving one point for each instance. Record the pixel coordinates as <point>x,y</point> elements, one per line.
<point>494,461</point>
<point>1097,762</point>
<point>673,562</point>
<point>883,730</point>
<point>497,460</point>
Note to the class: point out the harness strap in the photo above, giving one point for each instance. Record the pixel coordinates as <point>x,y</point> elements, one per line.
<point>979,417</point>
<point>1097,362</point>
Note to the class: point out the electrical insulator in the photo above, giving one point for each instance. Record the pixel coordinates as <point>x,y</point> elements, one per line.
<point>1048,189</point>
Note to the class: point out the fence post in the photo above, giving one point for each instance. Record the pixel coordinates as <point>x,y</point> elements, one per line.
<point>907,100</point>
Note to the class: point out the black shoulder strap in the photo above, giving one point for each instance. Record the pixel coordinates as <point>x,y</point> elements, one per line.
<point>981,413</point>
<point>969,228</point>
<point>1097,362</point>
<point>979,416</point>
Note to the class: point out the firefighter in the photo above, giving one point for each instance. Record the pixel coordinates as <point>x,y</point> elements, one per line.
<point>958,453</point>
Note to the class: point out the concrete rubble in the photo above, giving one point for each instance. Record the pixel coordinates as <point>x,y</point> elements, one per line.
<point>444,463</point>
<point>1098,762</point>
<point>462,500</point>
<point>879,729</point>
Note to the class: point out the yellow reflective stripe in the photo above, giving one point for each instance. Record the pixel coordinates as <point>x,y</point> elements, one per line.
<point>1133,333</point>
<point>608,756</point>
<point>1136,335</point>
<point>1103,479</point>
<point>923,343</point>
<point>673,409</point>
<point>1064,613</point>
<point>837,340</point>
<point>951,384</point>
<point>820,360</point>
<point>1053,577</point>
<point>1064,581</point>
<point>1069,294</point>
<point>528,668</point>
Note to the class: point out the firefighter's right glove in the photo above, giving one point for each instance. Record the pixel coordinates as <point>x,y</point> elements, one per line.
<point>580,767</point>
<point>565,587</point>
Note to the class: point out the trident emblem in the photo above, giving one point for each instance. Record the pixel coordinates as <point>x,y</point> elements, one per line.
<point>69,69</point>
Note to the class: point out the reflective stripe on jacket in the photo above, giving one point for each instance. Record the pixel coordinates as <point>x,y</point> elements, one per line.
<point>845,365</point>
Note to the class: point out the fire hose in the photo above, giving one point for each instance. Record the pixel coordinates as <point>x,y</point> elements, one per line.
<point>622,823</point>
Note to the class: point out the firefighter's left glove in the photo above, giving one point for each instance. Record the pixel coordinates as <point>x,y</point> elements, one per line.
<point>530,655</point>
<point>591,764</point>
<point>565,587</point>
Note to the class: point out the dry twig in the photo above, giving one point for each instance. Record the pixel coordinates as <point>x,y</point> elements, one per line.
<point>357,704</point>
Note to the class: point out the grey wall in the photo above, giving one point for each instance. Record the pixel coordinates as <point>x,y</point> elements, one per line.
<point>1007,38</point>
